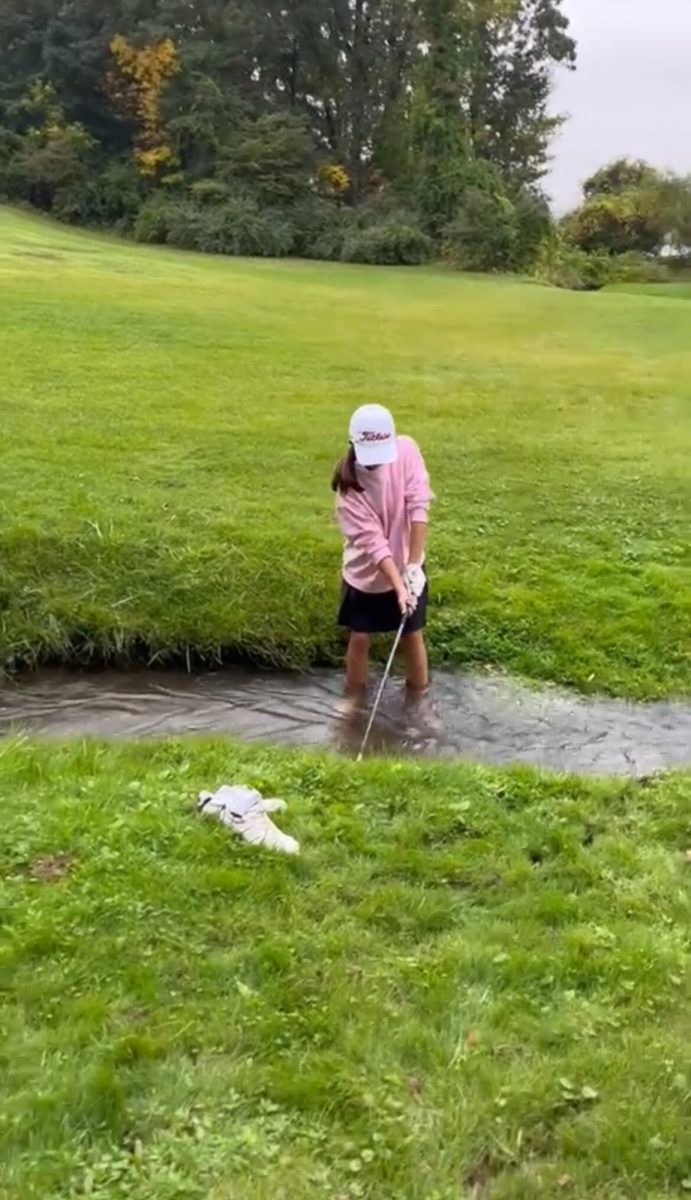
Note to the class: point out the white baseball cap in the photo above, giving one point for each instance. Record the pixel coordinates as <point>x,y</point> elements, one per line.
<point>373,434</point>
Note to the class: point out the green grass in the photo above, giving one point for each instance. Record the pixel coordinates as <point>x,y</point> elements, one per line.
<point>662,291</point>
<point>169,425</point>
<point>472,984</point>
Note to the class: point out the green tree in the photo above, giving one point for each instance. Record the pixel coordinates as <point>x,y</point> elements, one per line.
<point>623,175</point>
<point>346,65</point>
<point>483,234</point>
<point>513,47</point>
<point>317,104</point>
<point>631,206</point>
<point>439,136</point>
<point>273,156</point>
<point>481,92</point>
<point>675,198</point>
<point>50,158</point>
<point>618,223</point>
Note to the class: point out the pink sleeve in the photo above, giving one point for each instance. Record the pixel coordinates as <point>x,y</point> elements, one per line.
<point>362,526</point>
<point>418,494</point>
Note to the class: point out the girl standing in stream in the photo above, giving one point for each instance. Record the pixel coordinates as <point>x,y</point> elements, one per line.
<point>382,503</point>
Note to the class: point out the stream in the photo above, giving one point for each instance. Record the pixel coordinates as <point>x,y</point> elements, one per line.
<point>486,718</point>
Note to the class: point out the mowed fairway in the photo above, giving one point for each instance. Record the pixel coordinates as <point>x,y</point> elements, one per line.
<point>169,425</point>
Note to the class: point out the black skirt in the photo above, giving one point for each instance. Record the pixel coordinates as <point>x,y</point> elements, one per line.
<point>378,612</point>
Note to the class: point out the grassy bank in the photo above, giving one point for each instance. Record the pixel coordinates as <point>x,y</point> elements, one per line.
<point>471,984</point>
<point>169,424</point>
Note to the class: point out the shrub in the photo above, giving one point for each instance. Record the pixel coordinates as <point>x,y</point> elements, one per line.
<point>209,191</point>
<point>679,266</point>
<point>483,235</point>
<point>565,266</point>
<point>320,227</point>
<point>389,243</point>
<point>248,230</point>
<point>236,227</point>
<point>109,198</point>
<point>638,268</point>
<point>9,144</point>
<point>627,221</point>
<point>151,224</point>
<point>189,227</point>
<point>48,165</point>
<point>533,223</point>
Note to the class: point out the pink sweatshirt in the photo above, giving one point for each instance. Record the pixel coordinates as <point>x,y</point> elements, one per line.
<point>376,522</point>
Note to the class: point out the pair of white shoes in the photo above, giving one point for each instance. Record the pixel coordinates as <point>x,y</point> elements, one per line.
<point>244,811</point>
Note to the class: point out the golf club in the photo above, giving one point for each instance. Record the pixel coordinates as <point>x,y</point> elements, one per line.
<point>382,685</point>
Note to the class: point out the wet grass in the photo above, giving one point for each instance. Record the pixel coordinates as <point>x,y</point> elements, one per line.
<point>169,424</point>
<point>471,984</point>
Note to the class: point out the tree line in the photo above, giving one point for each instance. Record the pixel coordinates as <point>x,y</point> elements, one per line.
<point>363,130</point>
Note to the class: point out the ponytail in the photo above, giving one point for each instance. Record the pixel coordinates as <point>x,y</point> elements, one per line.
<point>345,476</point>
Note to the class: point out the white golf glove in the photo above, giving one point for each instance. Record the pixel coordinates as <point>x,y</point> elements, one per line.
<point>415,579</point>
<point>244,811</point>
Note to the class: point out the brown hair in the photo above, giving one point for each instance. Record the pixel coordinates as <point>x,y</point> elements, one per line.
<point>345,476</point>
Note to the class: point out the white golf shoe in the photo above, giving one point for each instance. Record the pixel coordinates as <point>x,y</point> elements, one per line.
<point>244,811</point>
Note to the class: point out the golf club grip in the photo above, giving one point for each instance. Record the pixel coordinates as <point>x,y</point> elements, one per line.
<point>382,685</point>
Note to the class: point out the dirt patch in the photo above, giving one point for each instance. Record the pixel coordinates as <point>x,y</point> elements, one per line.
<point>479,1179</point>
<point>50,868</point>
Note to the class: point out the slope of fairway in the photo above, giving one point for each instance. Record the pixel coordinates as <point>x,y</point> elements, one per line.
<point>169,424</point>
<point>471,984</point>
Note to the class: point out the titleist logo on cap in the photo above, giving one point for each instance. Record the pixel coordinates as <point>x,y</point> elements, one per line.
<point>370,435</point>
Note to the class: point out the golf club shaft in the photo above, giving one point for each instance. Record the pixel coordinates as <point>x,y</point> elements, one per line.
<point>382,685</point>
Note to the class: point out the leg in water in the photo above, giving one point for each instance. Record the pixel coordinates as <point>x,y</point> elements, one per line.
<point>415,655</point>
<point>421,716</point>
<point>354,701</point>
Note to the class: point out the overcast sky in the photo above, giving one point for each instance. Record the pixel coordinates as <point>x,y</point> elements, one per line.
<point>631,91</point>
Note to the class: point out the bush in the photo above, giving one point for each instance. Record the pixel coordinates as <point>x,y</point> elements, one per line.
<point>483,236</point>
<point>48,166</point>
<point>190,227</point>
<point>565,266</point>
<point>246,229</point>
<point>320,227</point>
<point>679,266</point>
<point>533,223</point>
<point>9,144</point>
<point>390,243</point>
<point>629,221</point>
<point>209,191</point>
<point>110,198</point>
<point>638,268</point>
<point>236,227</point>
<point>151,224</point>
<point>330,243</point>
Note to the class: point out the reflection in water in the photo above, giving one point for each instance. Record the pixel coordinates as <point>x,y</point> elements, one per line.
<point>485,718</point>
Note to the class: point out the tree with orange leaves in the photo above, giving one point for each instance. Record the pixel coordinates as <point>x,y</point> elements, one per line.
<point>138,87</point>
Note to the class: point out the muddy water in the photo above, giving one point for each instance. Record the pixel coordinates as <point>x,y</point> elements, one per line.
<point>486,718</point>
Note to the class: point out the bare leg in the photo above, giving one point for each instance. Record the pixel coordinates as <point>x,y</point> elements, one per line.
<point>417,697</point>
<point>415,654</point>
<point>357,663</point>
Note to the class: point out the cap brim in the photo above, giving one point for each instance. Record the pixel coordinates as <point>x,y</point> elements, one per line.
<point>378,454</point>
